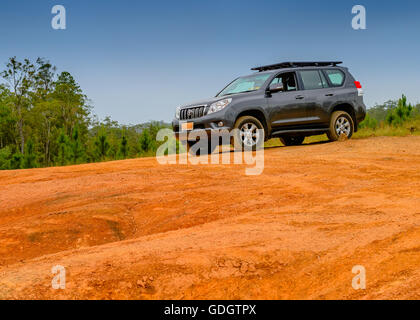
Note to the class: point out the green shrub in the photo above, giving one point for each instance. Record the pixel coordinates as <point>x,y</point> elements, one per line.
<point>16,161</point>
<point>400,114</point>
<point>5,158</point>
<point>369,122</point>
<point>29,159</point>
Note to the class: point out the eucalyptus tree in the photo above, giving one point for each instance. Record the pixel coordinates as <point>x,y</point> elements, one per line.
<point>20,77</point>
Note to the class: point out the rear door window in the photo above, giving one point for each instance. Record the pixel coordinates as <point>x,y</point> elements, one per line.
<point>311,79</point>
<point>336,77</point>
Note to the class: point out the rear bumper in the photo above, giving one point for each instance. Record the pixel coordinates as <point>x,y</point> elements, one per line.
<point>361,113</point>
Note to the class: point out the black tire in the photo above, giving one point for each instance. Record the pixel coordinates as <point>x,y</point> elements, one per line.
<point>252,138</point>
<point>341,123</point>
<point>194,151</point>
<point>292,141</point>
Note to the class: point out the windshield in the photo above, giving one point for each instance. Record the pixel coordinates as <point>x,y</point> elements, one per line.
<point>245,84</point>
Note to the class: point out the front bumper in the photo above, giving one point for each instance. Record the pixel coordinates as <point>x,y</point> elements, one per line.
<point>219,121</point>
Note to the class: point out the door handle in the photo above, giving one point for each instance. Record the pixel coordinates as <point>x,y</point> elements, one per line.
<point>300,97</point>
<point>329,94</point>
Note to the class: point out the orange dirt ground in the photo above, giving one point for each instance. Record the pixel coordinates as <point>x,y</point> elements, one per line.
<point>136,229</point>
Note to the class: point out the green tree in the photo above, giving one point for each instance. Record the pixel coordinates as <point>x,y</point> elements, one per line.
<point>145,141</point>
<point>20,75</point>
<point>44,121</point>
<point>63,149</point>
<point>77,149</point>
<point>101,146</point>
<point>29,158</point>
<point>44,77</point>
<point>401,113</point>
<point>123,148</point>
<point>7,118</point>
<point>72,102</point>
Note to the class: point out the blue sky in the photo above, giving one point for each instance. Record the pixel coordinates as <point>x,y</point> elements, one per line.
<point>138,60</point>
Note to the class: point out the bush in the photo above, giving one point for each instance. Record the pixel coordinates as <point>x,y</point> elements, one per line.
<point>16,161</point>
<point>400,114</point>
<point>29,159</point>
<point>5,158</point>
<point>369,122</point>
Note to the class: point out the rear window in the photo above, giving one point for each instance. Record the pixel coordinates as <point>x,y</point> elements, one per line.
<point>336,77</point>
<point>311,80</point>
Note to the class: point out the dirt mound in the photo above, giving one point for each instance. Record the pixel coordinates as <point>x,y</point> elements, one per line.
<point>136,229</point>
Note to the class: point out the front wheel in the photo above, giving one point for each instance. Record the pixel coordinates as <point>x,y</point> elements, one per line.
<point>248,134</point>
<point>341,125</point>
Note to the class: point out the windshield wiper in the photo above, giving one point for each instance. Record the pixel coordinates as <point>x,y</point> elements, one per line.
<point>229,94</point>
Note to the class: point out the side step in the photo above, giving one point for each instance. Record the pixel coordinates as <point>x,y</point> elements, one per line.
<point>300,131</point>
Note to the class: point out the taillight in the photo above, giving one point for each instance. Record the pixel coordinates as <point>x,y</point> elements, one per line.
<point>359,88</point>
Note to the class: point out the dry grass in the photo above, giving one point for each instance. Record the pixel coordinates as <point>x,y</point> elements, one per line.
<point>410,128</point>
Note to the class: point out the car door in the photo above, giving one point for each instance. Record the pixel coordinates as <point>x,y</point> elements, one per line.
<point>286,107</point>
<point>316,92</point>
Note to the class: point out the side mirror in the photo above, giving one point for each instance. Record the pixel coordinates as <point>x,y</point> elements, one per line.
<point>275,87</point>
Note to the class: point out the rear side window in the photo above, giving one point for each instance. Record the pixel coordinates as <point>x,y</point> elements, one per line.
<point>311,80</point>
<point>336,77</point>
<point>324,80</point>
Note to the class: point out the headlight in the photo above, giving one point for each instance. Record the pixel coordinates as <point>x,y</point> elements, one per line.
<point>219,105</point>
<point>177,112</point>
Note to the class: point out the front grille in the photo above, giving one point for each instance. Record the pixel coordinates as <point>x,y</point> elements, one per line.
<point>192,113</point>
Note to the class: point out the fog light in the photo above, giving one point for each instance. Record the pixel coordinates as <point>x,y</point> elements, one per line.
<point>220,124</point>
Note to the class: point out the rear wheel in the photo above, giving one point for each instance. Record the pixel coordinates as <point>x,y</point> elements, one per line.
<point>248,134</point>
<point>292,141</point>
<point>341,125</point>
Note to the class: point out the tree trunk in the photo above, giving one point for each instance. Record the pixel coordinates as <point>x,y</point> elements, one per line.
<point>22,138</point>
<point>47,145</point>
<point>20,128</point>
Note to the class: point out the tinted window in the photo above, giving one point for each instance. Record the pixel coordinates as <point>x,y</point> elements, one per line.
<point>288,80</point>
<point>311,79</point>
<point>336,77</point>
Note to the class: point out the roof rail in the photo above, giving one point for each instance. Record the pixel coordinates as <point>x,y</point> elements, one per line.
<point>284,65</point>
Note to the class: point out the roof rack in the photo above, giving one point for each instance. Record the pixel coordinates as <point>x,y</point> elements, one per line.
<point>284,65</point>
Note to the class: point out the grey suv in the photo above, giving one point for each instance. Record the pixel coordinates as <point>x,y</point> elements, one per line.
<point>289,100</point>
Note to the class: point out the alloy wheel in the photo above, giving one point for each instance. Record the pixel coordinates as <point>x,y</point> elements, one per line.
<point>343,126</point>
<point>250,134</point>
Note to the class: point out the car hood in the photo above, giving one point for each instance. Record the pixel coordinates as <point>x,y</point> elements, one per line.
<point>201,102</point>
<point>214,99</point>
